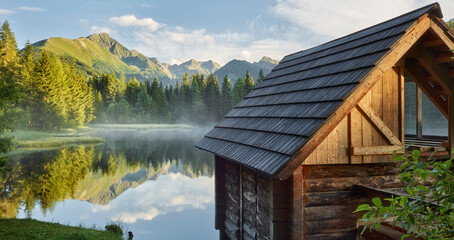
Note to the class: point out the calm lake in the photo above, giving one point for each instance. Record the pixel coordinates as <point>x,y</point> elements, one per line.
<point>153,183</point>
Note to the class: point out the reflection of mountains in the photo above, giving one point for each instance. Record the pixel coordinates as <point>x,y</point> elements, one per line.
<point>108,188</point>
<point>99,174</point>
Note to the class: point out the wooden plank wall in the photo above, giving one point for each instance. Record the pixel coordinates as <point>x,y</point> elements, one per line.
<point>386,101</point>
<point>220,195</point>
<point>232,212</point>
<point>328,198</point>
<point>255,207</point>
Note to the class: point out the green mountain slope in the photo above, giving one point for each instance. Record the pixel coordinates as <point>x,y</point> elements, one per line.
<point>192,66</point>
<point>149,67</point>
<point>88,55</point>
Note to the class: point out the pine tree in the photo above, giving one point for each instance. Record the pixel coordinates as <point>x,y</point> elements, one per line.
<point>144,103</point>
<point>238,91</point>
<point>9,88</point>
<point>226,96</point>
<point>9,61</point>
<point>28,63</point>
<point>212,97</point>
<point>121,85</point>
<point>132,91</point>
<point>261,76</point>
<point>248,83</point>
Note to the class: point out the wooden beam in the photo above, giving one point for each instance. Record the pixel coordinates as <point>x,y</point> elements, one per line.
<point>402,102</point>
<point>432,41</point>
<point>435,69</point>
<point>443,31</point>
<point>375,150</point>
<point>444,57</point>
<point>433,93</point>
<point>451,125</point>
<point>378,123</point>
<point>418,113</point>
<point>397,50</point>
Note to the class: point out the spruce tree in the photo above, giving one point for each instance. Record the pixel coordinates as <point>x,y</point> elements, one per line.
<point>9,88</point>
<point>226,96</point>
<point>238,91</point>
<point>248,83</point>
<point>261,76</point>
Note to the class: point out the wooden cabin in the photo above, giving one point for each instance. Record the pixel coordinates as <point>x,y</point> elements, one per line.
<point>326,119</point>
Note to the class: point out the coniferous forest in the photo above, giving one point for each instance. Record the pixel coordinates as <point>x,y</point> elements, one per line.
<point>49,93</point>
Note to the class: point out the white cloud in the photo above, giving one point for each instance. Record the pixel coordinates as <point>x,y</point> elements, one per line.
<point>133,21</point>
<point>31,9</point>
<point>82,20</point>
<point>330,19</point>
<point>98,29</point>
<point>174,192</point>
<point>6,12</point>
<point>288,26</point>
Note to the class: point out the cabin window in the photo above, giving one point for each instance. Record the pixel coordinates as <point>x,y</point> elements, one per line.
<point>434,123</point>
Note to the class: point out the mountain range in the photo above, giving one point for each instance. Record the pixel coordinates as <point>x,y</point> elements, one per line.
<point>99,53</point>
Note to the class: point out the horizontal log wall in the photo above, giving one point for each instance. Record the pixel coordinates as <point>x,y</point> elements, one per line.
<point>328,200</point>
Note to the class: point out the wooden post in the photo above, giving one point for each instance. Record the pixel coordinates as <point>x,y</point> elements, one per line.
<point>418,113</point>
<point>402,102</point>
<point>451,124</point>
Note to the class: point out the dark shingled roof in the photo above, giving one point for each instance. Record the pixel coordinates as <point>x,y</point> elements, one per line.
<point>279,115</point>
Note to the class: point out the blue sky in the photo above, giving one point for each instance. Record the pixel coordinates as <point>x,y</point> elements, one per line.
<point>176,30</point>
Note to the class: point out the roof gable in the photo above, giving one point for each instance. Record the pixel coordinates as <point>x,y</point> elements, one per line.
<point>268,128</point>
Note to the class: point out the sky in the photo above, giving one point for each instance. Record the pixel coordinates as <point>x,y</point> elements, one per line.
<point>175,31</point>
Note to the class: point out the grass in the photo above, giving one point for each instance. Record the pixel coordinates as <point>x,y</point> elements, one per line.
<point>140,126</point>
<point>18,229</point>
<point>39,139</point>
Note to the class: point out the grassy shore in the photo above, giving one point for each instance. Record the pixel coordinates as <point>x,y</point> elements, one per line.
<point>139,126</point>
<point>18,229</point>
<point>39,139</point>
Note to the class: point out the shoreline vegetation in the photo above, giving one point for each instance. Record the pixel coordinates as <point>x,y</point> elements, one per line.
<point>13,229</point>
<point>29,140</point>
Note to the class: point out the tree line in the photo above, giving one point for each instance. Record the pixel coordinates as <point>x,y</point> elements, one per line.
<point>198,99</point>
<point>51,94</point>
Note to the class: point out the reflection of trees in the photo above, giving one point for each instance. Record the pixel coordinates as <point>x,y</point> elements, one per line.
<point>153,151</point>
<point>51,176</point>
<point>46,177</point>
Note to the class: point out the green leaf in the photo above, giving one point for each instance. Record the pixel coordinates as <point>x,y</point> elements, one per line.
<point>377,201</point>
<point>416,154</point>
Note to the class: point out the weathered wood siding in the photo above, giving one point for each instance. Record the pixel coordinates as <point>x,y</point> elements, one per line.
<point>328,199</point>
<point>254,207</point>
<point>384,100</point>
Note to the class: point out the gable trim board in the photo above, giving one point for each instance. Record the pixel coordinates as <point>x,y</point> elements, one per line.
<point>285,118</point>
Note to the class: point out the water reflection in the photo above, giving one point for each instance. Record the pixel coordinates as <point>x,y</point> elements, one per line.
<point>113,178</point>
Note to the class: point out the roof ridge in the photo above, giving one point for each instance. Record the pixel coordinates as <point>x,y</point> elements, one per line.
<point>434,5</point>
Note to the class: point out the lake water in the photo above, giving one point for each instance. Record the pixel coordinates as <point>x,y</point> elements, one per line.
<point>153,183</point>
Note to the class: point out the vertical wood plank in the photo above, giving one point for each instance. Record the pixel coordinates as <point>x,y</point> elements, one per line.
<point>355,134</point>
<point>451,123</point>
<point>343,141</point>
<point>395,103</point>
<point>402,102</point>
<point>322,152</point>
<point>418,113</point>
<point>333,146</point>
<point>366,128</point>
<point>377,107</point>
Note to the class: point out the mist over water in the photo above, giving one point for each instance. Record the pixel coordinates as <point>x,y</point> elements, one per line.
<point>151,182</point>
